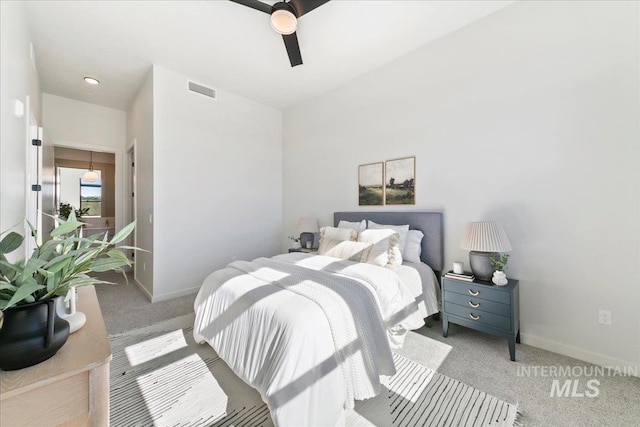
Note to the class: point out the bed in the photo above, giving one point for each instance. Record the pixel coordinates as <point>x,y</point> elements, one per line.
<point>313,333</point>
<point>427,291</point>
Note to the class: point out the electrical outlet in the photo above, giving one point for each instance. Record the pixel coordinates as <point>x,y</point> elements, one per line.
<point>604,317</point>
<point>144,268</point>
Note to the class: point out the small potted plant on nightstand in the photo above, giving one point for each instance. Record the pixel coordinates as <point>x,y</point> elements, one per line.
<point>499,264</point>
<point>296,241</point>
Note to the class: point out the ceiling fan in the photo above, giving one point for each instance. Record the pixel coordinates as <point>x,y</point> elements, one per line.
<point>284,20</point>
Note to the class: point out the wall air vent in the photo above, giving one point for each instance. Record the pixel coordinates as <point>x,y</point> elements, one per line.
<point>202,90</point>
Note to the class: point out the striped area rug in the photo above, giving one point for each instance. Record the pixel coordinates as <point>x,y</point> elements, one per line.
<point>419,396</point>
<point>161,377</point>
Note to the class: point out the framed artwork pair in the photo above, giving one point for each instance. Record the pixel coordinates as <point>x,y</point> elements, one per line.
<point>387,183</point>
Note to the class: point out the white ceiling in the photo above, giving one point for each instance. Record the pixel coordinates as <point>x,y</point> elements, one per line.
<point>228,46</point>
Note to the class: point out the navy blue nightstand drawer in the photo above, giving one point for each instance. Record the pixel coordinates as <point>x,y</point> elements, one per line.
<point>481,317</point>
<point>486,292</point>
<point>478,303</point>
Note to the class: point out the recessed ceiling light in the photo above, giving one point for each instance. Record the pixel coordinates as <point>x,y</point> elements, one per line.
<point>92,81</point>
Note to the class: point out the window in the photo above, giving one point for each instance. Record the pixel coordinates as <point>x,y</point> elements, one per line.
<point>91,197</point>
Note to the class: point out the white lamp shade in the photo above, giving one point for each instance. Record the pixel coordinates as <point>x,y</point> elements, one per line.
<point>307,224</point>
<point>485,237</point>
<point>284,22</point>
<point>90,176</point>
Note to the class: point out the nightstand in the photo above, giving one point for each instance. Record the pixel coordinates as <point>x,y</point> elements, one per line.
<point>484,307</point>
<point>305,250</point>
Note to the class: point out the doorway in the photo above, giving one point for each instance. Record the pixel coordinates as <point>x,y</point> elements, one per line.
<point>91,198</point>
<point>95,198</point>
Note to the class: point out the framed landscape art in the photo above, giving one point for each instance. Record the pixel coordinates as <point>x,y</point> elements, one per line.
<point>370,184</point>
<point>400,177</point>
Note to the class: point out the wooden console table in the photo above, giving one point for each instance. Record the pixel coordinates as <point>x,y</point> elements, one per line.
<point>71,388</point>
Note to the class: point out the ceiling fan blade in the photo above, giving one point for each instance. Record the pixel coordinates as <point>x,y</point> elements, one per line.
<point>255,4</point>
<point>306,6</point>
<point>293,49</point>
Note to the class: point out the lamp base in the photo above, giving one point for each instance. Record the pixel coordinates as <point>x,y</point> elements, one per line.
<point>306,238</point>
<point>481,264</point>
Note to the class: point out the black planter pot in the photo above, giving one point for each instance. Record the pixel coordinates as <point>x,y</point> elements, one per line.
<point>31,334</point>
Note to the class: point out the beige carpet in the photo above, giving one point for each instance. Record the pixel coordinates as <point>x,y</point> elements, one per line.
<point>161,377</point>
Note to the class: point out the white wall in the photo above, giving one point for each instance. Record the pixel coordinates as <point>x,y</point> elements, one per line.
<point>217,179</point>
<point>76,121</point>
<point>76,124</point>
<point>529,117</point>
<point>140,134</point>
<point>18,81</point>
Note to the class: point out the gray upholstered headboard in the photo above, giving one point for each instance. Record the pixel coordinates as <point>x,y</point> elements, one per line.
<point>430,223</point>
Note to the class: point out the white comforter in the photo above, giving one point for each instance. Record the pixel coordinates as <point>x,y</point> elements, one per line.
<point>308,332</point>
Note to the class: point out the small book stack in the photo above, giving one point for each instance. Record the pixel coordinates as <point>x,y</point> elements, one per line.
<point>466,276</point>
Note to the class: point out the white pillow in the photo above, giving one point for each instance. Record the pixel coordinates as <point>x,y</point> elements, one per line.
<point>354,225</point>
<point>385,251</point>
<point>335,233</point>
<point>345,249</point>
<point>413,248</point>
<point>402,231</point>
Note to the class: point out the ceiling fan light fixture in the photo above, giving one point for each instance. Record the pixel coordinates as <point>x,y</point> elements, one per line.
<point>284,22</point>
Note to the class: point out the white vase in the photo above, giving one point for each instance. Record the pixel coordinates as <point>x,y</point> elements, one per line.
<point>499,278</point>
<point>66,309</point>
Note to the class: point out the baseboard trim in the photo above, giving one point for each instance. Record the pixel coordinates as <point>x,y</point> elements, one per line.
<point>175,294</point>
<point>579,353</point>
<point>143,289</point>
<point>167,296</point>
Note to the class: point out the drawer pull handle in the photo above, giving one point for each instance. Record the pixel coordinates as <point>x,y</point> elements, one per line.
<point>474,305</point>
<point>474,317</point>
<point>475,294</point>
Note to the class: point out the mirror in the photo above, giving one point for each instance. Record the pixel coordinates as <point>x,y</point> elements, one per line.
<point>80,194</point>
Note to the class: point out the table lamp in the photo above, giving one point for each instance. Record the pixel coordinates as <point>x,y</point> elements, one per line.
<point>307,225</point>
<point>484,239</point>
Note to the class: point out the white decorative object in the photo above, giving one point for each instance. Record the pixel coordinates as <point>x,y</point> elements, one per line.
<point>458,267</point>
<point>499,278</point>
<point>66,309</point>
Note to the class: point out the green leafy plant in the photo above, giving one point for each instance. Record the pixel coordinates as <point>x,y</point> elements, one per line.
<point>294,238</point>
<point>63,261</point>
<point>499,263</point>
<point>65,209</point>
